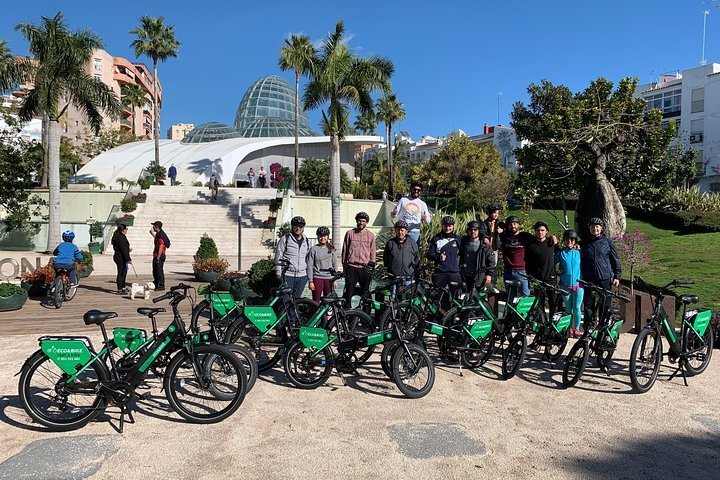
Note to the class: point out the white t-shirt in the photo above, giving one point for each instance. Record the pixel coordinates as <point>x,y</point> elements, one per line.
<point>411,210</point>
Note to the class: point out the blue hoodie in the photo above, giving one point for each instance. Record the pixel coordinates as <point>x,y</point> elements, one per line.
<point>569,260</point>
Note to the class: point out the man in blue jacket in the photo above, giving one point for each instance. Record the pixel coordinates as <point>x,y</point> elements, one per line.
<point>599,264</point>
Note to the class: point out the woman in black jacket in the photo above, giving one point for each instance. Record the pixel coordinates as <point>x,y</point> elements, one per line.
<point>121,257</point>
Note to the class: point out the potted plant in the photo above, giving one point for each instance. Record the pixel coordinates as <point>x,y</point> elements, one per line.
<point>127,220</point>
<point>12,297</point>
<point>84,267</point>
<point>37,281</point>
<point>208,265</point>
<point>96,231</point>
<point>140,197</point>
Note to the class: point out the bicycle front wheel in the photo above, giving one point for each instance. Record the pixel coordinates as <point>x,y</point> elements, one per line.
<point>575,363</point>
<point>413,370</point>
<point>305,370</point>
<point>206,385</point>
<point>701,348</point>
<point>360,324</point>
<point>514,356</point>
<point>51,401</point>
<point>645,359</point>
<point>267,350</point>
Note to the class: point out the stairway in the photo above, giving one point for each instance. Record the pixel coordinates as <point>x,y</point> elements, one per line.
<point>186,213</point>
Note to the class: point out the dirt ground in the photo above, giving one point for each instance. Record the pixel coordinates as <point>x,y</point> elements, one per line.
<point>475,425</point>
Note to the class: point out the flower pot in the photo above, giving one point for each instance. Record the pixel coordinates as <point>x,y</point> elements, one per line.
<point>206,276</point>
<point>94,248</point>
<point>13,302</point>
<point>140,199</point>
<point>127,221</point>
<point>85,273</point>
<point>150,180</point>
<point>36,289</point>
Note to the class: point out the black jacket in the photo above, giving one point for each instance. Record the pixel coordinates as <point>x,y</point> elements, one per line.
<point>484,261</point>
<point>599,259</point>
<point>401,260</point>
<point>122,247</point>
<point>450,245</point>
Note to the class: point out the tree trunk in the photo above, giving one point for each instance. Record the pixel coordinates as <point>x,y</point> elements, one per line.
<point>335,189</point>
<point>297,142</point>
<point>44,139</point>
<point>391,194</point>
<point>53,184</point>
<point>156,115</point>
<point>133,120</point>
<point>599,198</point>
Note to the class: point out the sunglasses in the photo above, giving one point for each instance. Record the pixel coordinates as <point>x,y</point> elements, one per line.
<point>416,190</point>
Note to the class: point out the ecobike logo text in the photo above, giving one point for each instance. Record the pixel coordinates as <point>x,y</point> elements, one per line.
<point>65,351</point>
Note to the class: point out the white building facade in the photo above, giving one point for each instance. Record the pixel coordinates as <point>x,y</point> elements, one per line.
<point>692,99</point>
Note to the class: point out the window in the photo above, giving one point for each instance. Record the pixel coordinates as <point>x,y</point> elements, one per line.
<point>98,63</point>
<point>697,100</point>
<point>696,130</point>
<point>97,78</point>
<point>667,102</point>
<point>699,164</point>
<point>714,187</point>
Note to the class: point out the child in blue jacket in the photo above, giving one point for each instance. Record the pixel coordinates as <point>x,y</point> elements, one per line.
<point>568,258</point>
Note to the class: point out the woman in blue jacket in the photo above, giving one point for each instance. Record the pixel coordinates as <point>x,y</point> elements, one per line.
<point>568,260</point>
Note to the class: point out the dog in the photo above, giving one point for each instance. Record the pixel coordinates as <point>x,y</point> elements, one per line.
<point>138,289</point>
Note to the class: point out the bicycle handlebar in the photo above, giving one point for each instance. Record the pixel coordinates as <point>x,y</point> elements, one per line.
<point>545,284</point>
<point>605,291</point>
<point>658,291</point>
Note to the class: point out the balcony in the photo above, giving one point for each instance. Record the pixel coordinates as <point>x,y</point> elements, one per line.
<point>122,77</point>
<point>125,123</point>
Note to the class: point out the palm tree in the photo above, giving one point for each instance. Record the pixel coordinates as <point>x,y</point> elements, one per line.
<point>343,81</point>
<point>297,54</point>
<point>366,123</point>
<point>58,71</point>
<point>133,96</point>
<point>390,110</point>
<point>157,41</point>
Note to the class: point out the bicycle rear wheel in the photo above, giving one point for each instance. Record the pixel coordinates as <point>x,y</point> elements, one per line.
<point>645,359</point>
<point>52,402</point>
<point>267,350</point>
<point>412,370</point>
<point>702,348</point>
<point>70,292</point>
<point>305,370</point>
<point>575,363</point>
<point>57,292</point>
<point>205,386</point>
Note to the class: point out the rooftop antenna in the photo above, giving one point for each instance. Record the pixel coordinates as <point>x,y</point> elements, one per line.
<point>499,94</point>
<point>706,12</point>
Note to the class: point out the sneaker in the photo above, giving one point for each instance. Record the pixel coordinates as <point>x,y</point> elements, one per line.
<point>160,289</point>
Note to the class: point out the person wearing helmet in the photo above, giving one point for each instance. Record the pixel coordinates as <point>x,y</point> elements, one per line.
<point>320,260</point>
<point>413,211</point>
<point>568,260</point>
<point>358,251</point>
<point>444,251</point>
<point>293,247</point>
<point>476,258</point>
<point>66,253</point>
<point>400,256</point>
<point>513,242</point>
<point>540,262</point>
<point>599,264</point>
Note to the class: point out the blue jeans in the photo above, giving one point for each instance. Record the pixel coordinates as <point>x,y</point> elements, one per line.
<point>415,236</point>
<point>524,285</point>
<point>298,284</point>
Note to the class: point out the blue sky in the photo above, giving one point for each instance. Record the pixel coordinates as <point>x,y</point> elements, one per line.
<point>451,58</point>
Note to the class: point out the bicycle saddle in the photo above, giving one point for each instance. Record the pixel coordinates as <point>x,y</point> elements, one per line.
<point>329,299</point>
<point>614,311</point>
<point>467,308</point>
<point>280,291</point>
<point>96,317</point>
<point>513,283</point>
<point>237,280</point>
<point>454,284</point>
<point>61,271</point>
<point>150,312</point>
<point>689,299</point>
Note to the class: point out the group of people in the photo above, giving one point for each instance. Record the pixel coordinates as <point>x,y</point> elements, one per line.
<point>122,259</point>
<point>261,177</point>
<point>470,260</point>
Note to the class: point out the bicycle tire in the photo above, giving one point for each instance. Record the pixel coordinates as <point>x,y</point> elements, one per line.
<point>244,333</point>
<point>248,362</point>
<point>386,357</point>
<point>221,371</point>
<point>514,356</point>
<point>556,347</point>
<point>70,292</point>
<point>57,292</point>
<point>411,323</point>
<point>474,355</point>
<point>33,401</point>
<point>305,371</point>
<point>705,345</point>
<point>641,354</point>
<point>360,324</point>
<point>408,362</point>
<point>575,363</point>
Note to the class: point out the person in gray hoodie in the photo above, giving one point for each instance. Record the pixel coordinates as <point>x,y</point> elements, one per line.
<point>294,248</point>
<point>320,260</point>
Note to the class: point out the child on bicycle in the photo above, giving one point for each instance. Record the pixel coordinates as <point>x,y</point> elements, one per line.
<point>320,259</point>
<point>568,259</point>
<point>65,256</point>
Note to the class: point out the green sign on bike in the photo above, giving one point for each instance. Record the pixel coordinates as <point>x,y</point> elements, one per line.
<point>263,317</point>
<point>313,338</point>
<point>66,354</point>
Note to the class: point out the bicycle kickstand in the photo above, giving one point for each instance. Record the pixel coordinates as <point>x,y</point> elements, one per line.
<point>681,369</point>
<point>460,364</point>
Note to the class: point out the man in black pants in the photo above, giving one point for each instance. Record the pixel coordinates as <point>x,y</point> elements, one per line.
<point>162,243</point>
<point>358,251</point>
<point>444,251</point>
<point>540,262</point>
<point>599,265</point>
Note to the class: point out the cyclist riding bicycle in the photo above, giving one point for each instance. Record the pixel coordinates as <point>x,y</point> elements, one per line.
<point>65,256</point>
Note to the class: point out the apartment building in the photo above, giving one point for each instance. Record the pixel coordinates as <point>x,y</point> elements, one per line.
<point>179,130</point>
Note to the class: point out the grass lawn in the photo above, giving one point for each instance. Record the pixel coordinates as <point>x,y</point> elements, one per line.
<point>689,257</point>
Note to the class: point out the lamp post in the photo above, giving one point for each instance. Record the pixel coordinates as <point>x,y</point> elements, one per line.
<point>239,233</point>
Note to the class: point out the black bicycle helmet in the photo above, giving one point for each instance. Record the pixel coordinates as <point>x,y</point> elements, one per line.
<point>539,224</point>
<point>448,220</point>
<point>402,224</point>
<point>297,222</point>
<point>68,236</point>
<point>473,224</point>
<point>512,219</point>
<point>322,231</point>
<point>595,221</point>
<point>362,215</point>
<point>570,234</point>
<point>493,207</point>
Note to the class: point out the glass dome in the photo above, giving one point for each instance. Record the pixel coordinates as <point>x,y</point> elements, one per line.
<point>268,110</point>
<point>210,132</point>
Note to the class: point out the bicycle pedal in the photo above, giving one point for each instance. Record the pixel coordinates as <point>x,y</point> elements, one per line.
<point>144,396</point>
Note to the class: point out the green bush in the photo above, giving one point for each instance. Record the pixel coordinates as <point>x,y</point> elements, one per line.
<point>144,183</point>
<point>157,171</point>
<point>261,277</point>
<point>9,289</point>
<point>128,205</point>
<point>697,221</point>
<point>87,259</point>
<point>207,249</point>
<point>96,231</point>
